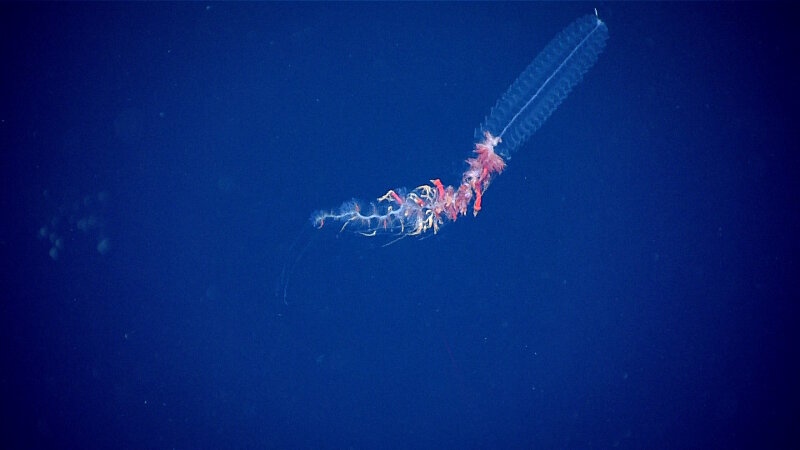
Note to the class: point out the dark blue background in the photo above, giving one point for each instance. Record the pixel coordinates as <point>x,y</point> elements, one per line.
<point>630,282</point>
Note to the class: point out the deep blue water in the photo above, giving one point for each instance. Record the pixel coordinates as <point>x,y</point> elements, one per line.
<point>630,282</point>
